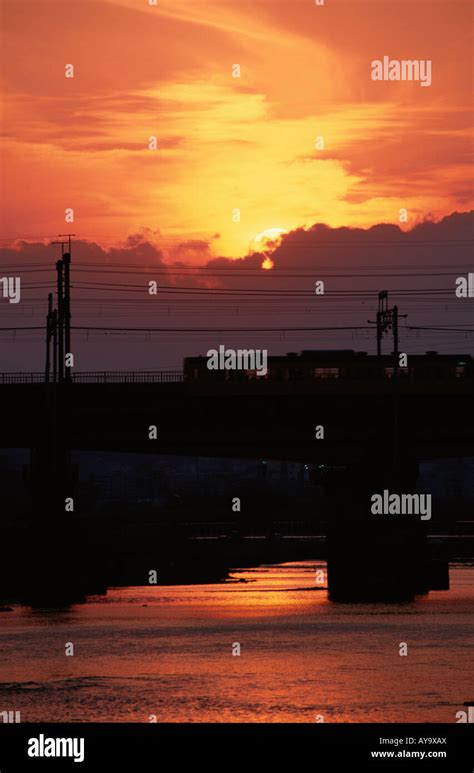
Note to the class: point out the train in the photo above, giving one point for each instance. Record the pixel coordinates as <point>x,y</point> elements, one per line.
<point>317,364</point>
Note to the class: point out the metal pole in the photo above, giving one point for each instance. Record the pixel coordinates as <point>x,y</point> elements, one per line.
<point>381,319</point>
<point>67,310</point>
<point>48,337</point>
<point>54,322</point>
<point>396,397</point>
<point>395,335</point>
<point>60,325</point>
<point>379,334</point>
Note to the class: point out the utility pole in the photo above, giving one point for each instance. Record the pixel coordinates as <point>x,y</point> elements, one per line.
<point>387,319</point>
<point>51,470</point>
<point>395,335</point>
<point>58,334</point>
<point>63,244</point>
<point>54,322</point>
<point>381,317</point>
<point>68,240</point>
<point>49,334</point>
<point>67,310</point>
<point>67,303</point>
<point>60,319</point>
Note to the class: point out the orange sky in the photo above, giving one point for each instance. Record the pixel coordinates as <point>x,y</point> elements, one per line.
<point>224,142</point>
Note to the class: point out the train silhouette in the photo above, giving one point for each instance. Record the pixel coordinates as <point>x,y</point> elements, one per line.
<point>316,364</point>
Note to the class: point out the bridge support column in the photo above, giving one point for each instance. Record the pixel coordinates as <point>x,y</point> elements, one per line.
<point>59,569</point>
<point>378,557</point>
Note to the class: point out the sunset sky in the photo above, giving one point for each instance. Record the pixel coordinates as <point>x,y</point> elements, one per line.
<point>225,142</point>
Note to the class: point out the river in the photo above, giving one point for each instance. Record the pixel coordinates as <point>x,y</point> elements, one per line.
<point>166,653</point>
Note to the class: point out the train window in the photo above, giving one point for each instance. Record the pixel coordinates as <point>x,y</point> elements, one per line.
<point>401,372</point>
<point>326,372</point>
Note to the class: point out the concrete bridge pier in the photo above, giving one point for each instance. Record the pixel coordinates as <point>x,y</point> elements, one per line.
<point>59,568</point>
<point>379,557</point>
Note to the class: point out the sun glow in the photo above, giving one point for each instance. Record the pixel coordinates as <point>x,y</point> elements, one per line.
<point>265,242</point>
<point>268,239</point>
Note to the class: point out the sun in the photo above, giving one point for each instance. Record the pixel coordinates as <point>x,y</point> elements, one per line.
<point>265,242</point>
<point>267,264</point>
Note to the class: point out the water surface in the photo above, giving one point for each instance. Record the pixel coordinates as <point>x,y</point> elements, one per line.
<point>167,651</point>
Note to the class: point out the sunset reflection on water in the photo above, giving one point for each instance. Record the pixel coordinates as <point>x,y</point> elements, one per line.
<point>167,651</point>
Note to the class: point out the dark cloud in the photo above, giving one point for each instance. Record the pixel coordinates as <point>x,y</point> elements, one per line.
<point>354,263</point>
